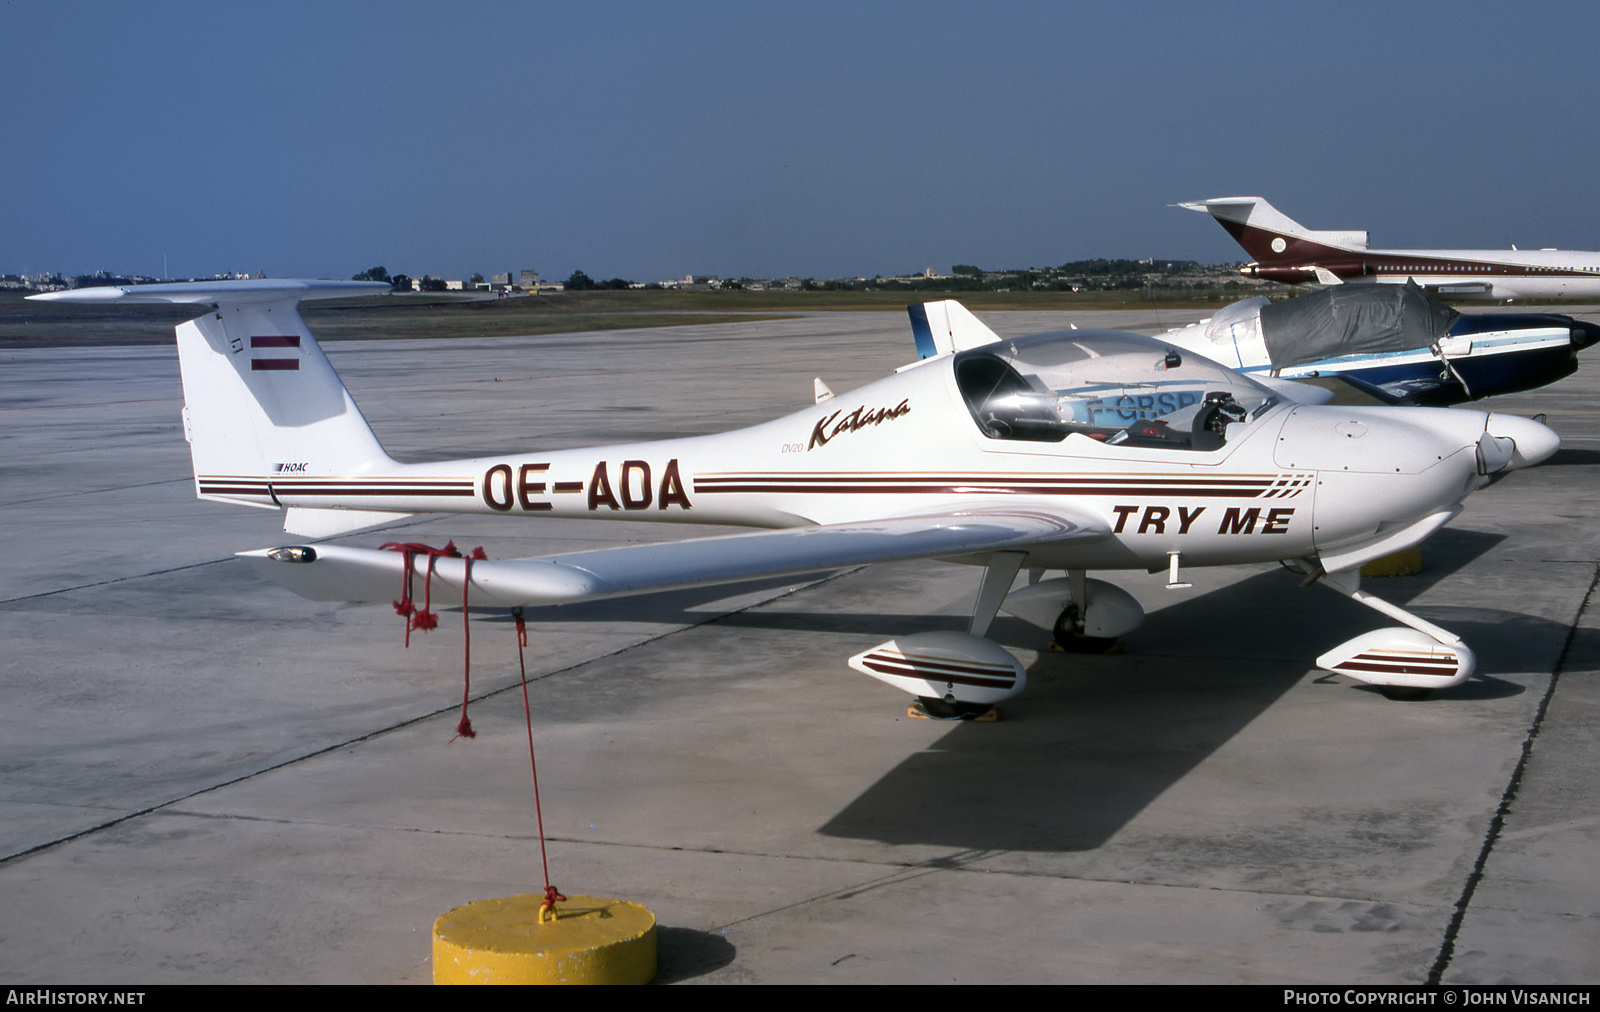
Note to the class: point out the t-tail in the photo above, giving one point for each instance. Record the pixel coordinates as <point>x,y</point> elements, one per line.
<point>1270,236</point>
<point>262,405</point>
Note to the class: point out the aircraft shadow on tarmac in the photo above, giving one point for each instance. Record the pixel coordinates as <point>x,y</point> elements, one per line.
<point>1572,457</point>
<point>1262,617</point>
<point>1095,739</point>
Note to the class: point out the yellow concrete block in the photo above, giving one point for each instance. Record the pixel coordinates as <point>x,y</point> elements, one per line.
<point>593,940</point>
<point>1402,563</point>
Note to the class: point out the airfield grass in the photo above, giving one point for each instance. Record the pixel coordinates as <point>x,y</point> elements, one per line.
<point>54,324</point>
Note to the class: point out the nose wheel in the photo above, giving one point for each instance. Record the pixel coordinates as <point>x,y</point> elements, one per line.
<point>1406,663</point>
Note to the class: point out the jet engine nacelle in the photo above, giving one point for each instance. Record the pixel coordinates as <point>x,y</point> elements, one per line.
<point>965,673</point>
<point>1403,658</point>
<point>1109,611</point>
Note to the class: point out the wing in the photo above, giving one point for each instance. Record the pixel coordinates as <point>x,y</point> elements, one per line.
<point>337,573</point>
<point>1413,391</point>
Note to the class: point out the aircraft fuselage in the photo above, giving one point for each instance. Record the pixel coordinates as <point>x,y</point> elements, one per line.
<point>1289,481</point>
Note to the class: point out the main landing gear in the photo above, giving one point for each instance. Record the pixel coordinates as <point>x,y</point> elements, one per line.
<point>955,676</point>
<point>961,676</point>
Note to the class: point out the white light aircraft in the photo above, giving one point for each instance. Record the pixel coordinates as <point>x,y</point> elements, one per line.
<point>1287,251</point>
<point>1070,451</point>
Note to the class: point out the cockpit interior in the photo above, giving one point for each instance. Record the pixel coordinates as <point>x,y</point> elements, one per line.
<point>1117,389</point>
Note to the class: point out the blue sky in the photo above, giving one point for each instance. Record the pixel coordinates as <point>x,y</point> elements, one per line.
<point>649,140</point>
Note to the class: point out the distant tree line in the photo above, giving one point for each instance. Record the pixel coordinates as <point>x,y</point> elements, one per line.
<point>402,282</point>
<point>578,282</point>
<point>1074,275</point>
<point>581,282</point>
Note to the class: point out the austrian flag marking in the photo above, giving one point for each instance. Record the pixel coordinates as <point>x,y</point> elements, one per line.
<point>275,364</point>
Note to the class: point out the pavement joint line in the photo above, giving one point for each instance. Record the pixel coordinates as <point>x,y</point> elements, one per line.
<point>96,491</point>
<point>399,725</point>
<point>84,404</point>
<point>899,866</point>
<point>115,579</point>
<point>932,866</point>
<point>902,870</point>
<point>916,871</point>
<point>395,525</point>
<point>1497,822</point>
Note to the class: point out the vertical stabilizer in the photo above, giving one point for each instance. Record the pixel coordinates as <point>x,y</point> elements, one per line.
<point>944,327</point>
<point>1269,235</point>
<point>261,400</point>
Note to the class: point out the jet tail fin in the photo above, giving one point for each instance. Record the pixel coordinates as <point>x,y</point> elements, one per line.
<point>1269,235</point>
<point>261,401</point>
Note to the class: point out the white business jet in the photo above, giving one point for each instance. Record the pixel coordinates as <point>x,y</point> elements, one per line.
<point>1070,451</point>
<point>1287,251</point>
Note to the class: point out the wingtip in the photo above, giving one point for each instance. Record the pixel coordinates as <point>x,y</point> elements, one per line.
<point>108,293</point>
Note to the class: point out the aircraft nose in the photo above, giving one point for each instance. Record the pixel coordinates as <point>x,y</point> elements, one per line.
<point>1584,334</point>
<point>1530,442</point>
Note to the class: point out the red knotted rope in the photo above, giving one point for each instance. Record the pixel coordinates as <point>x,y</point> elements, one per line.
<point>552,895</point>
<point>425,619</point>
<point>406,608</point>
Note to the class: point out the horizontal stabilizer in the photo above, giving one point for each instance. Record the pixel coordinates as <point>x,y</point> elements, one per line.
<point>238,293</point>
<point>337,573</point>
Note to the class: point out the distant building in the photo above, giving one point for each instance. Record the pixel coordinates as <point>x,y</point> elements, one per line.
<point>528,280</point>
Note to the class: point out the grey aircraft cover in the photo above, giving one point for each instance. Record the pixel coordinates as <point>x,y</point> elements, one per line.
<point>1359,319</point>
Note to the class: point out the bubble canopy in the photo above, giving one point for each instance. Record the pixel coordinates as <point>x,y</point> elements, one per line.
<point>1117,388</point>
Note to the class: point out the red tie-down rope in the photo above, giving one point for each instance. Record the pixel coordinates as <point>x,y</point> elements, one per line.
<point>424,620</point>
<point>552,896</point>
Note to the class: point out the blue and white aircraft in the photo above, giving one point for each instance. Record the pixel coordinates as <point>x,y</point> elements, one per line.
<point>1070,451</point>
<point>1397,338</point>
